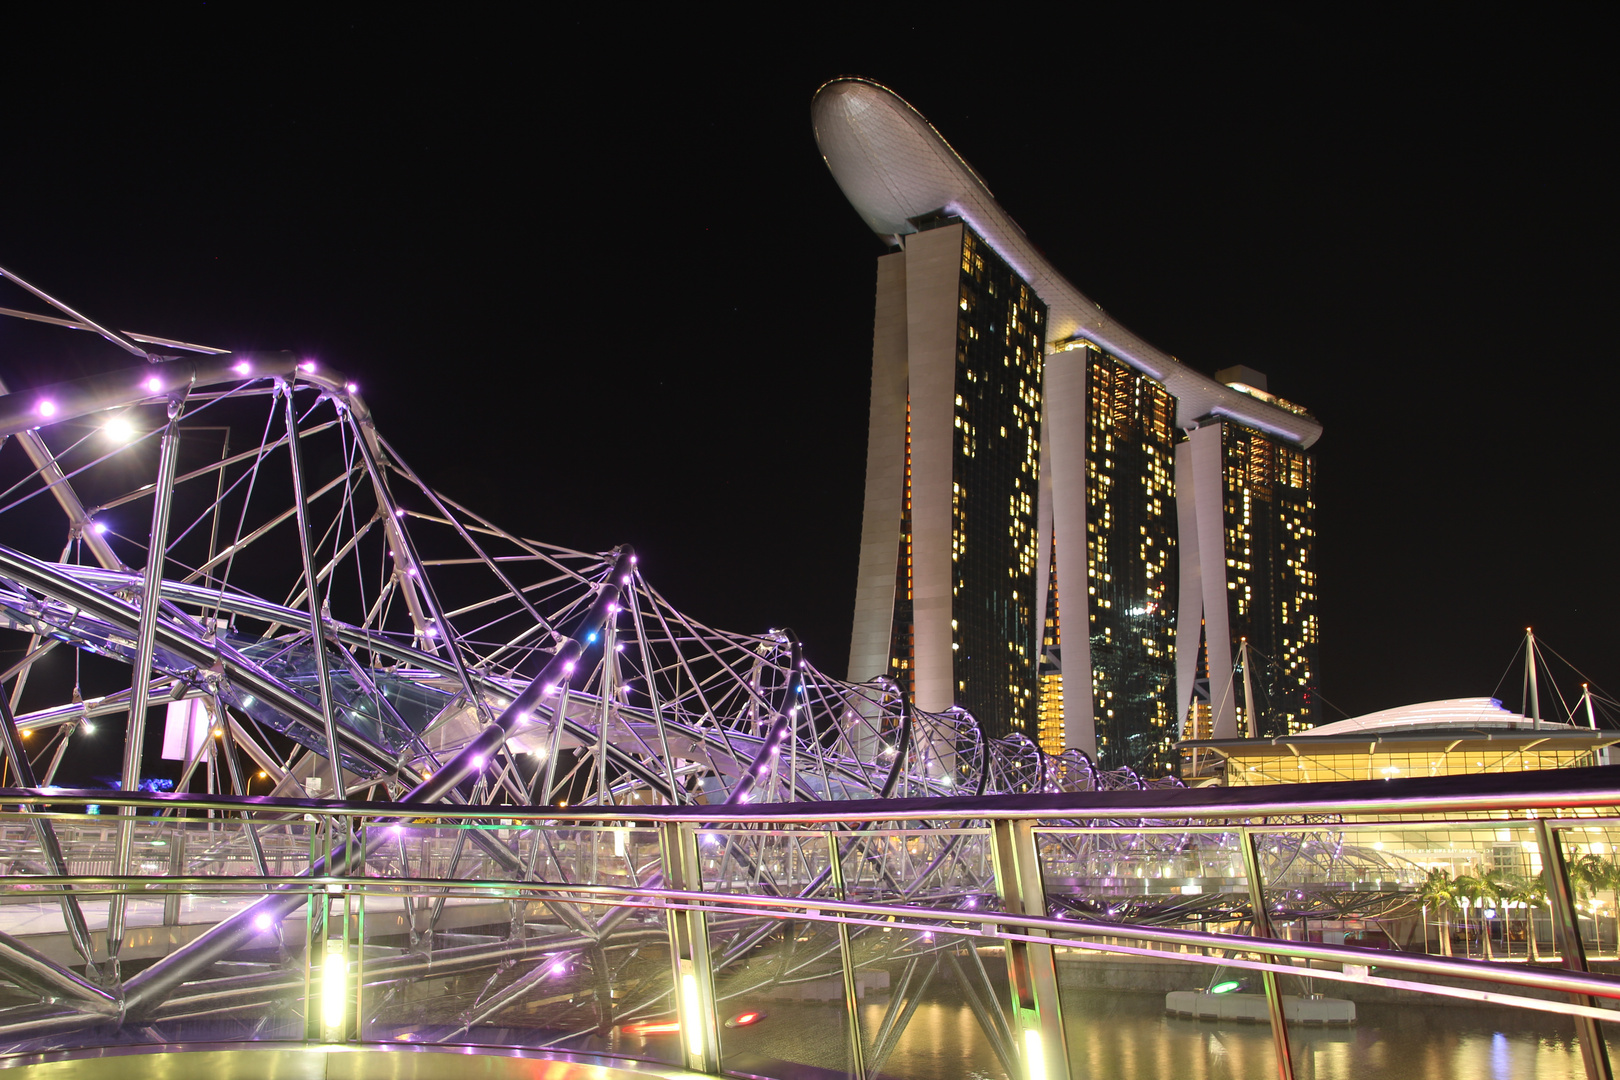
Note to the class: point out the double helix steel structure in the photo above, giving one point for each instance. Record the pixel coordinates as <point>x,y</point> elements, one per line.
<point>227,545</point>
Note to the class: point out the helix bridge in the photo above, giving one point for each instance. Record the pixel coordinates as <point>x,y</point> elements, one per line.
<point>227,548</point>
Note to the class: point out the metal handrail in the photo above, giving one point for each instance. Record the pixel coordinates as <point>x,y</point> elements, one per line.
<point>1576,799</point>
<point>1562,789</point>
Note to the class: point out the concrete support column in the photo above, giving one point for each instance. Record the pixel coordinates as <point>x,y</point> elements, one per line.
<point>1063,425</point>
<point>689,950</point>
<point>933,287</point>
<point>1207,495</point>
<point>885,477</point>
<point>1037,1013</point>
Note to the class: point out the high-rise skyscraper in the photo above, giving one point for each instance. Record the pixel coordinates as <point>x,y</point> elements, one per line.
<point>1066,531</point>
<point>949,547</point>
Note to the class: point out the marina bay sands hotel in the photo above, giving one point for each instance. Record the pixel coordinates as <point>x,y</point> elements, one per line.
<point>1066,531</point>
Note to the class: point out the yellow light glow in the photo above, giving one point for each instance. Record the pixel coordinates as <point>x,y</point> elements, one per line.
<point>334,987</point>
<point>1034,1055</point>
<point>691,1016</point>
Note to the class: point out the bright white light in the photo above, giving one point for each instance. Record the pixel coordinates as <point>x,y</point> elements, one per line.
<point>307,365</point>
<point>154,385</point>
<point>1034,1055</point>
<point>352,388</point>
<point>334,986</point>
<point>119,428</point>
<point>263,921</point>
<point>89,728</point>
<point>691,1015</point>
<point>99,528</point>
<point>47,408</point>
<point>241,367</point>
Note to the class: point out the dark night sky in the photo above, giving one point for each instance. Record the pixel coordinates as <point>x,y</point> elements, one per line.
<point>594,278</point>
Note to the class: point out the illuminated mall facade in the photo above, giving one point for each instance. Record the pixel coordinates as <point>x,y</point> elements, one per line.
<point>1066,531</point>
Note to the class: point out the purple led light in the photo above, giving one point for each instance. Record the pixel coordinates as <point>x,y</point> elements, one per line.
<point>307,365</point>
<point>478,762</point>
<point>99,528</point>
<point>241,367</point>
<point>400,512</point>
<point>154,385</point>
<point>433,631</point>
<point>263,921</point>
<point>569,667</point>
<point>351,388</point>
<point>46,408</point>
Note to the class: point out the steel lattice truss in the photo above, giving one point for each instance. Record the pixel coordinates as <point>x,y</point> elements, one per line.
<point>433,621</point>
<point>232,539</point>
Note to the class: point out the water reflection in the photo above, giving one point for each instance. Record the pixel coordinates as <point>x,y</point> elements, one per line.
<point>1126,1036</point>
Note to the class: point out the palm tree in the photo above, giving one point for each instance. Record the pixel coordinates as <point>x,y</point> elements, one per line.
<point>1504,887</point>
<point>1467,886</point>
<point>1586,873</point>
<point>1481,891</point>
<point>1439,891</point>
<point>1533,891</point>
<point>1605,874</point>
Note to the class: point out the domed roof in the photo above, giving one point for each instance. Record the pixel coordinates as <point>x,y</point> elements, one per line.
<point>1478,712</point>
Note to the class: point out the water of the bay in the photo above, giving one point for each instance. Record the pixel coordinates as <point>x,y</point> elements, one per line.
<point>1127,1036</point>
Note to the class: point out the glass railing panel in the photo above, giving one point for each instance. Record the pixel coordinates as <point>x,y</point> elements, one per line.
<point>769,862</point>
<point>779,997</point>
<point>1147,872</point>
<point>1341,1030</point>
<point>943,868</point>
<point>1464,888</point>
<point>931,1002</point>
<point>1593,861</point>
<point>1158,1012</point>
<point>529,967</point>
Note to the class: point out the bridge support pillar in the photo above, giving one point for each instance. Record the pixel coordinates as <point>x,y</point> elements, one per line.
<point>689,949</point>
<point>1031,967</point>
<point>1268,978</point>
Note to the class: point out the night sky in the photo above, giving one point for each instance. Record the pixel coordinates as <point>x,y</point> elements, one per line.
<point>595,281</point>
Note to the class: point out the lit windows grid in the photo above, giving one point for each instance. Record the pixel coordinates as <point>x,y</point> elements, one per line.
<point>1309,767</point>
<point>995,484</point>
<point>1131,569</point>
<point>1269,525</point>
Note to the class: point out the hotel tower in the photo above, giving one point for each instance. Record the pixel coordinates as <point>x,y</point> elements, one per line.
<point>1066,532</point>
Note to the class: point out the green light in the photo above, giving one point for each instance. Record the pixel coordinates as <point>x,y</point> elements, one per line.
<point>1225,987</point>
